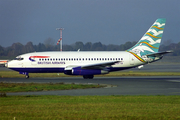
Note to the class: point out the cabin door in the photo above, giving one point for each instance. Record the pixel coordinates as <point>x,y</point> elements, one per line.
<point>131,59</point>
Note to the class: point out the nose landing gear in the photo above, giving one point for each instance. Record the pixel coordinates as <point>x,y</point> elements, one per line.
<point>26,76</point>
<point>25,73</point>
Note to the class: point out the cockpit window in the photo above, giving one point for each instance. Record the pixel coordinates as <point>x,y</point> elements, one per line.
<point>19,58</point>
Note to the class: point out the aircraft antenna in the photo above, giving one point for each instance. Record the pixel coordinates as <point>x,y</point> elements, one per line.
<point>60,40</point>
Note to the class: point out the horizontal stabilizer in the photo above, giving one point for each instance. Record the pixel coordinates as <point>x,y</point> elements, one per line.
<point>158,54</point>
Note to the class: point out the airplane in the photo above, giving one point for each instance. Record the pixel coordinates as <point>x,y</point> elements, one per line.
<point>90,63</point>
<point>3,61</point>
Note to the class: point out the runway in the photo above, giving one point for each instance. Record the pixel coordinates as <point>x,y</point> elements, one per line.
<point>147,68</point>
<point>162,85</point>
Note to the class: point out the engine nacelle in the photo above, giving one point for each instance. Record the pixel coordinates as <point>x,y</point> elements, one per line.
<point>85,72</point>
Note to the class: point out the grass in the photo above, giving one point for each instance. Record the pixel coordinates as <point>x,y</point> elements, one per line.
<point>90,107</point>
<point>14,74</point>
<point>26,87</point>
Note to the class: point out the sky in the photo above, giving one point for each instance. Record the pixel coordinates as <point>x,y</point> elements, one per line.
<point>105,21</point>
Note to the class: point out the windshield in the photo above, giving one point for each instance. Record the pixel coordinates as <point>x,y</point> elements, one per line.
<point>19,58</point>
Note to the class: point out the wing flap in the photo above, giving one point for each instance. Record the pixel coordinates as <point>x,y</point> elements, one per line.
<point>99,65</point>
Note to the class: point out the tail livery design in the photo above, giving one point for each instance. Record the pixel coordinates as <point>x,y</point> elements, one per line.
<point>146,50</point>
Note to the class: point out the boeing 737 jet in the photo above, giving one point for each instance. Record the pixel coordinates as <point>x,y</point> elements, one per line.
<point>88,64</point>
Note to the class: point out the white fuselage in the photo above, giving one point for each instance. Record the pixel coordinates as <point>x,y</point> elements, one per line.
<point>40,61</point>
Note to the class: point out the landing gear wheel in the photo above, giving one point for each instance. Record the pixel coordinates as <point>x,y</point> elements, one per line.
<point>26,76</point>
<point>91,76</point>
<point>85,76</point>
<point>88,76</point>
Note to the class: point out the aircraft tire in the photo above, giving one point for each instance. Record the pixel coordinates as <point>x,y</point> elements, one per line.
<point>91,76</point>
<point>85,76</point>
<point>88,76</point>
<point>26,76</point>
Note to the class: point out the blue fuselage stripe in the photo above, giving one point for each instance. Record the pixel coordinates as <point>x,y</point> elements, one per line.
<point>58,70</point>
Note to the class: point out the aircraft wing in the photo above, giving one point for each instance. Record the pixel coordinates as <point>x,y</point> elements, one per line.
<point>159,54</point>
<point>93,66</point>
<point>99,65</point>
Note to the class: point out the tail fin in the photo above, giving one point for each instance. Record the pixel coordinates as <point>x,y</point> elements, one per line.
<point>151,40</point>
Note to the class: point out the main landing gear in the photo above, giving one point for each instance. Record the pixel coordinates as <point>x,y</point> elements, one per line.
<point>88,76</point>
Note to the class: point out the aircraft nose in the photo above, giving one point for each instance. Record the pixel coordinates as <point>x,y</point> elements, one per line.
<point>7,64</point>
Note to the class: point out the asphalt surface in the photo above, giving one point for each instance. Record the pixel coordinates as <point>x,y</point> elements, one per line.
<point>169,85</point>
<point>162,85</point>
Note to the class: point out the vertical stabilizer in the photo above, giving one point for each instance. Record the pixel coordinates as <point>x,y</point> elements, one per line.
<point>150,42</point>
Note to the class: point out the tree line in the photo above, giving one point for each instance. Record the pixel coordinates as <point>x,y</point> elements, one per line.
<point>17,48</point>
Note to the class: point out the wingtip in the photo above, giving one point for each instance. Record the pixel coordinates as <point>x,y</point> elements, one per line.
<point>169,51</point>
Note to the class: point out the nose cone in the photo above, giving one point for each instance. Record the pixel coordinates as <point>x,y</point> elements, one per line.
<point>9,64</point>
